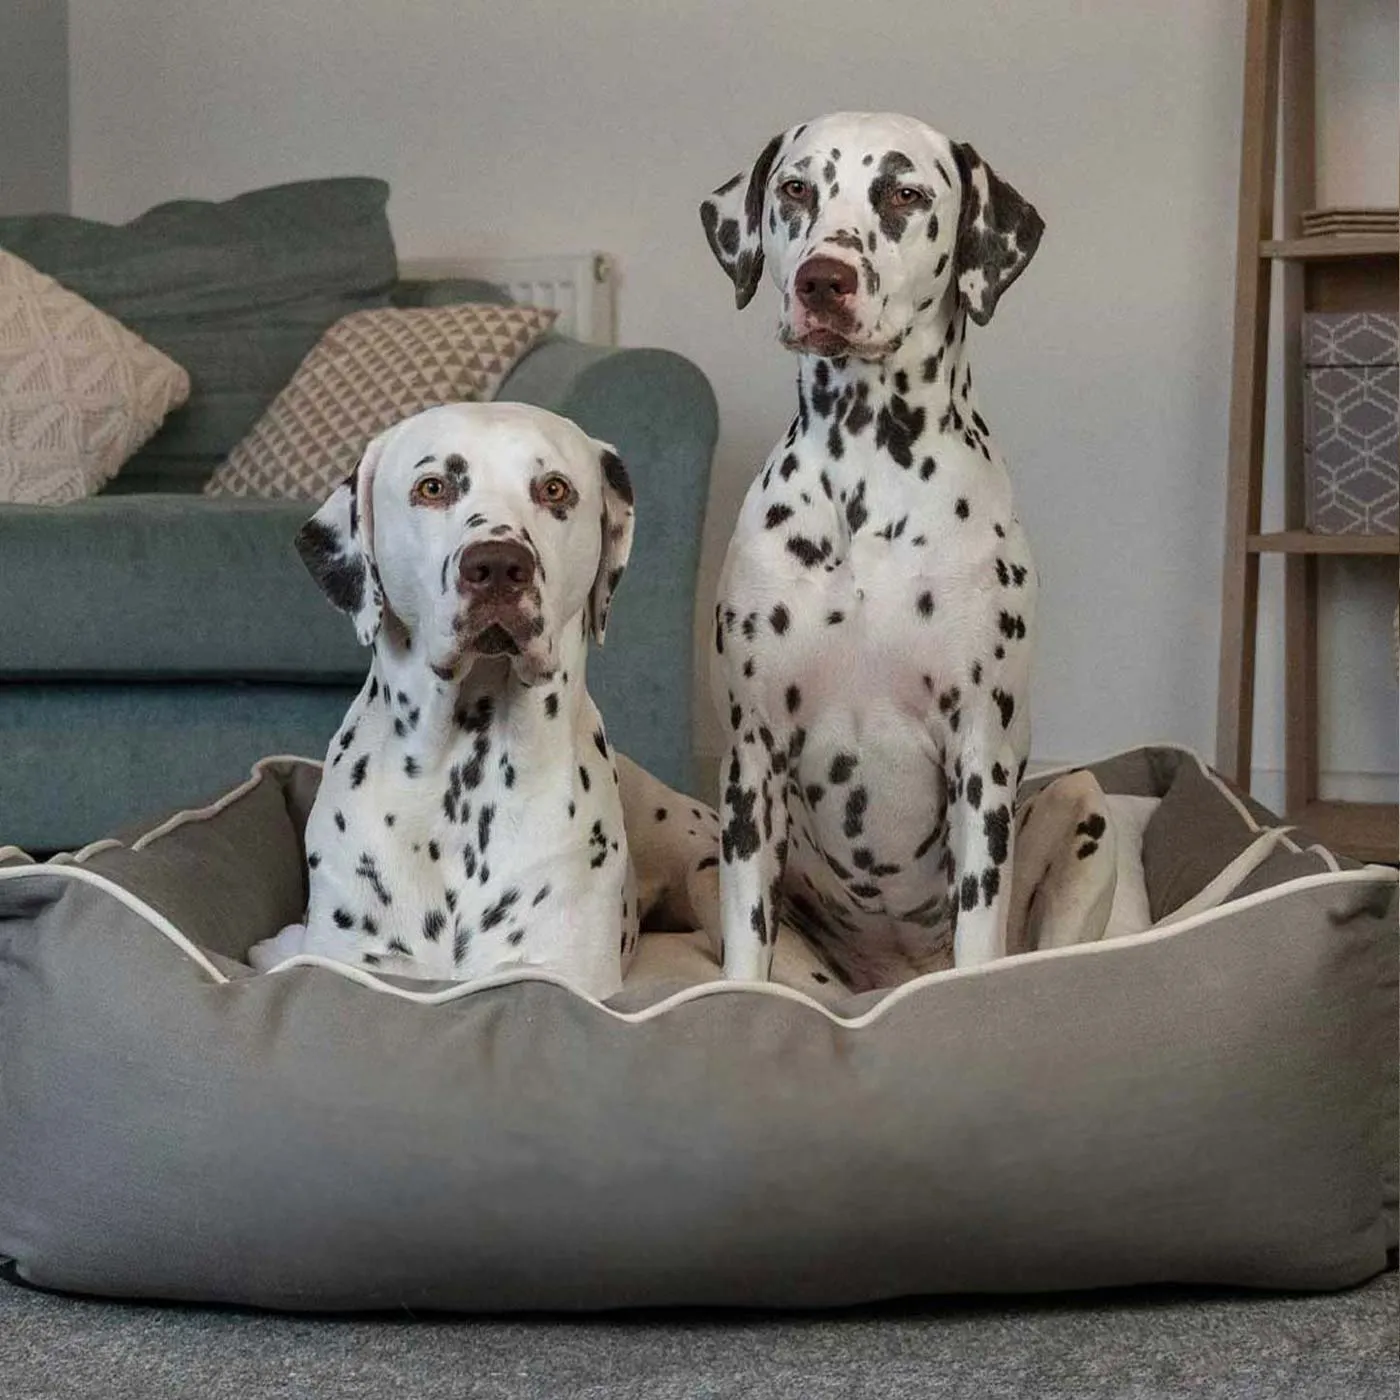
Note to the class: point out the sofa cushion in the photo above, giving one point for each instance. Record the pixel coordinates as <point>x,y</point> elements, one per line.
<point>159,586</point>
<point>237,292</point>
<point>370,370</point>
<point>79,393</point>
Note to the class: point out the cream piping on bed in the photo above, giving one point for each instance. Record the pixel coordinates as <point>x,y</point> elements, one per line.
<point>163,926</point>
<point>1197,911</point>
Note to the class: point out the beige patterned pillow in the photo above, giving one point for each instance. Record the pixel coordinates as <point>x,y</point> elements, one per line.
<point>369,370</point>
<point>79,392</point>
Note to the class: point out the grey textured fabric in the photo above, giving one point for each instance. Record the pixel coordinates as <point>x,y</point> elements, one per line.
<point>1141,1344</point>
<point>235,292</point>
<point>1212,1102</point>
<point>86,758</point>
<point>171,588</point>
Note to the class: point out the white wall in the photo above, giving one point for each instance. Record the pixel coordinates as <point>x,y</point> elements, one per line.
<point>539,127</point>
<point>33,106</point>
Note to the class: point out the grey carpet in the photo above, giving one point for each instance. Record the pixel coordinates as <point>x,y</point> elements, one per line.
<point>1140,1343</point>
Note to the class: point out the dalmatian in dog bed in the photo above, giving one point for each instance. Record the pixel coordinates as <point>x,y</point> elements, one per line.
<point>469,819</point>
<point>873,628</point>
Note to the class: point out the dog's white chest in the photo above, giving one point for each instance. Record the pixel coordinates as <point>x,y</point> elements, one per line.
<point>487,857</point>
<point>869,614</point>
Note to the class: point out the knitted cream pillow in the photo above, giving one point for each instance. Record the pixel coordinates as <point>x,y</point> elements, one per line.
<point>79,392</point>
<point>368,371</point>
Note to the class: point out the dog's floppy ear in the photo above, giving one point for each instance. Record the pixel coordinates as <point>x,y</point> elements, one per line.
<point>337,546</point>
<point>619,517</point>
<point>733,221</point>
<point>998,233</point>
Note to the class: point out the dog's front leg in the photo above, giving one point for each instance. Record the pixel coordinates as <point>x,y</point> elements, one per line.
<point>981,832</point>
<point>753,851</point>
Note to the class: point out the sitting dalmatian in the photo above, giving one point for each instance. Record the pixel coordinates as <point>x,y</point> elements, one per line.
<point>873,628</point>
<point>468,819</point>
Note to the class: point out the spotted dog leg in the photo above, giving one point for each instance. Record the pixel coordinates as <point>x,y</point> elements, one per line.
<point>753,853</point>
<point>1066,869</point>
<point>981,797</point>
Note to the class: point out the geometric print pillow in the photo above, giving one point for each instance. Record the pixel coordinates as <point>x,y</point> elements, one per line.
<point>79,392</point>
<point>369,370</point>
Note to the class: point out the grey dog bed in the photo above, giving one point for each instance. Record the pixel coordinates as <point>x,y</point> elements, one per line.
<point>1210,1101</point>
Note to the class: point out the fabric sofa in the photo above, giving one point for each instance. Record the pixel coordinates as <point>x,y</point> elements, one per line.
<point>155,641</point>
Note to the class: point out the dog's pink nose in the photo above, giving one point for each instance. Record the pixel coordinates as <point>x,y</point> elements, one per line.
<point>822,283</point>
<point>495,568</point>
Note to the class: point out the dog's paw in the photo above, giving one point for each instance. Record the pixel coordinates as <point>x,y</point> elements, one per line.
<point>284,944</point>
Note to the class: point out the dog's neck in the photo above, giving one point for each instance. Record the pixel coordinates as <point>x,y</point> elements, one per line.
<point>927,374</point>
<point>429,721</point>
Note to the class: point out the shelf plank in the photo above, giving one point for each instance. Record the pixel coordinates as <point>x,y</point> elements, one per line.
<point>1332,247</point>
<point>1304,542</point>
<point>1362,830</point>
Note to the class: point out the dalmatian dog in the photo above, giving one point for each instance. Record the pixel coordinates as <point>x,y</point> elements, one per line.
<point>469,818</point>
<point>876,605</point>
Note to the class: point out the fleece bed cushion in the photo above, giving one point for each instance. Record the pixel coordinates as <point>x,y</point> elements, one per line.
<point>1210,1101</point>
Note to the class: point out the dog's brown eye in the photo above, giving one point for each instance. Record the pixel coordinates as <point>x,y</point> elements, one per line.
<point>795,189</point>
<point>554,491</point>
<point>905,195</point>
<point>430,488</point>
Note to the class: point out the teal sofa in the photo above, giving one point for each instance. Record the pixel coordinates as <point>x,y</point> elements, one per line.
<point>154,641</point>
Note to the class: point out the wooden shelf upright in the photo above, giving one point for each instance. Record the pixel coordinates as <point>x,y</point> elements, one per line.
<point>1333,272</point>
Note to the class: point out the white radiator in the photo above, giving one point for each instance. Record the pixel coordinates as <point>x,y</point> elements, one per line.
<point>580,287</point>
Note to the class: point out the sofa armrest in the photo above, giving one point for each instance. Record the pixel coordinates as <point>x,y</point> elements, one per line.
<point>659,413</point>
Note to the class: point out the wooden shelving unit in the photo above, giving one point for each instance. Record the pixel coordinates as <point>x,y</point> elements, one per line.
<point>1332,272</point>
<point>1304,542</point>
<point>1332,247</point>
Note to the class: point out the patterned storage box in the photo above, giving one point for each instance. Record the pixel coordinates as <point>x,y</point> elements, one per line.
<point>1351,369</point>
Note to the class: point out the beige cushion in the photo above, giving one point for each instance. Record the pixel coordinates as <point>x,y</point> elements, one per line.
<point>79,392</point>
<point>369,370</point>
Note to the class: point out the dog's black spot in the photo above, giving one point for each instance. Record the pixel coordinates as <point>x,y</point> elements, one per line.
<point>779,618</point>
<point>842,766</point>
<point>551,704</point>
<point>615,474</point>
<point>494,913</point>
<point>808,553</point>
<point>894,168</point>
<point>996,823</point>
<point>777,513</point>
<point>339,821</point>
<point>856,513</point>
<point>343,918</point>
<point>897,428</point>
<point>341,576</point>
<point>925,604</point>
<point>434,921</point>
<point>991,883</point>
<point>793,699</point>
<point>856,801</point>
<point>974,791</point>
